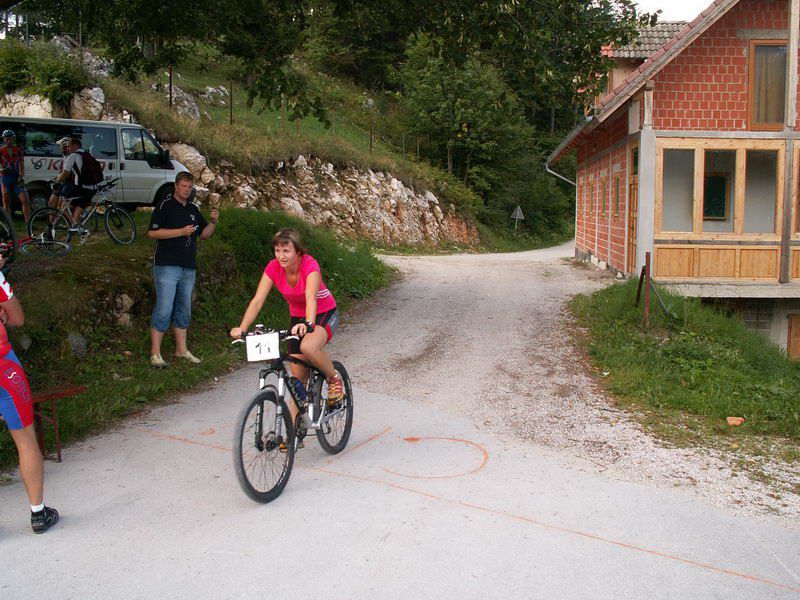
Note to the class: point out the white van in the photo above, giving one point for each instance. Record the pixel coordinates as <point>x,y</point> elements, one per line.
<point>146,172</point>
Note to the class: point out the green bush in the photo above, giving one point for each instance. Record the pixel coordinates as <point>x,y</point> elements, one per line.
<point>14,72</point>
<point>54,75</point>
<point>42,70</point>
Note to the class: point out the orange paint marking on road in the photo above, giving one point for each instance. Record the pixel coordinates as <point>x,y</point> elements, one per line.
<point>357,446</point>
<point>177,438</point>
<point>561,529</point>
<point>415,440</point>
<point>503,513</point>
<point>210,431</point>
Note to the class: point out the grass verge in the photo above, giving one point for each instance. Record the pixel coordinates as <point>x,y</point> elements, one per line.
<point>78,294</point>
<point>686,376</point>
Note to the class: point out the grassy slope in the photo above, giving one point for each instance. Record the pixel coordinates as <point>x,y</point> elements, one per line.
<point>687,376</point>
<point>258,138</point>
<point>77,294</point>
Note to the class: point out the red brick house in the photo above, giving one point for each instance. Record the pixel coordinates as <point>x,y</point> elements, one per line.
<point>694,157</point>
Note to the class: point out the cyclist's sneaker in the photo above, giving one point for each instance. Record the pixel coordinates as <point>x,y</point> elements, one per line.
<point>158,362</point>
<point>80,230</point>
<point>190,357</point>
<point>44,519</point>
<point>335,390</point>
<point>49,234</point>
<point>297,445</point>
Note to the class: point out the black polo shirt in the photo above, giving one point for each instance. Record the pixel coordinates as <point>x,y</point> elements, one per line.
<point>179,251</point>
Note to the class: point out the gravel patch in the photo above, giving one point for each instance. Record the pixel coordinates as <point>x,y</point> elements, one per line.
<point>490,336</point>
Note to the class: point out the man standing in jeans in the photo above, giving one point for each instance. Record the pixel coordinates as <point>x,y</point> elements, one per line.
<point>175,225</point>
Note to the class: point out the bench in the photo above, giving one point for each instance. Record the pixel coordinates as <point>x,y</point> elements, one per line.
<point>45,410</point>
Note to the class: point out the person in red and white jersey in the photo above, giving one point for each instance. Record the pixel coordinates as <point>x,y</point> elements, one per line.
<point>16,409</point>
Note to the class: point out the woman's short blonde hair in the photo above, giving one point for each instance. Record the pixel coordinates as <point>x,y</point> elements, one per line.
<point>286,236</point>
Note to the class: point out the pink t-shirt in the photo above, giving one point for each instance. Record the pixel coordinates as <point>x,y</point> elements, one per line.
<point>296,296</point>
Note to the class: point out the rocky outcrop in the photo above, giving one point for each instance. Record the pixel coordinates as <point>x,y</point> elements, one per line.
<point>183,102</point>
<point>350,202</point>
<point>18,104</point>
<point>88,104</point>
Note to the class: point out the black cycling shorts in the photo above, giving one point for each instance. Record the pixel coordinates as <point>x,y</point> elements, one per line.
<point>329,320</point>
<point>76,195</point>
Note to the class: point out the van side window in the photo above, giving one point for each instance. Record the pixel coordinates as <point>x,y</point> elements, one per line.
<point>132,144</point>
<point>40,140</point>
<point>101,142</point>
<point>139,145</point>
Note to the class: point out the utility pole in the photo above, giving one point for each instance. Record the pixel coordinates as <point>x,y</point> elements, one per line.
<point>230,100</point>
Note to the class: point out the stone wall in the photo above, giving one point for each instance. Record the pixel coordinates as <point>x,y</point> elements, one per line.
<point>350,202</point>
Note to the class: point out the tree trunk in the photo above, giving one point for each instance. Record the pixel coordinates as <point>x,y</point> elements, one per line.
<point>449,157</point>
<point>552,121</point>
<point>466,170</point>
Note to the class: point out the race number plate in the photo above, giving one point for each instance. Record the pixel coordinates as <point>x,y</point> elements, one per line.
<point>263,347</point>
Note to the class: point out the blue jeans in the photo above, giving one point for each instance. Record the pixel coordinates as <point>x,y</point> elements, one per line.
<point>173,297</point>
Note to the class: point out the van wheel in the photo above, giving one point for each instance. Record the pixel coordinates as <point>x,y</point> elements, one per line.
<point>163,193</point>
<point>39,198</point>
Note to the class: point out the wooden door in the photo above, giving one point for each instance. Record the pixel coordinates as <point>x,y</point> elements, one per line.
<point>633,213</point>
<point>793,345</point>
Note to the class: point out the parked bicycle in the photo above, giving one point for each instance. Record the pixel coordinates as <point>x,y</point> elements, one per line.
<point>265,439</point>
<point>53,228</point>
<point>8,237</point>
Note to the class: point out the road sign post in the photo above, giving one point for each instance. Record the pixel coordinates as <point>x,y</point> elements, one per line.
<point>517,216</point>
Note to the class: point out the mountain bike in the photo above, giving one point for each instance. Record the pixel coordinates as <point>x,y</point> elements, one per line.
<point>8,237</point>
<point>55,224</point>
<point>265,438</point>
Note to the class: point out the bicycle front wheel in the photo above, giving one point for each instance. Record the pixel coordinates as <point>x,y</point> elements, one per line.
<point>39,247</point>
<point>49,224</point>
<point>334,431</point>
<point>8,237</point>
<point>263,447</point>
<point>120,226</point>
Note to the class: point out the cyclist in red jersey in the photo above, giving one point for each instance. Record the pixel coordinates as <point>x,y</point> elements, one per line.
<point>12,162</point>
<point>312,308</point>
<point>16,409</point>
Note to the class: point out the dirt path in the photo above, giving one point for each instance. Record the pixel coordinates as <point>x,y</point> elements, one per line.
<point>486,336</point>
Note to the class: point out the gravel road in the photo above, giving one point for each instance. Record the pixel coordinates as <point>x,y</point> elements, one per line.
<point>488,336</point>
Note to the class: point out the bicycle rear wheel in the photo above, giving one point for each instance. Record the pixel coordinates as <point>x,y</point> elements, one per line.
<point>39,247</point>
<point>334,431</point>
<point>8,237</point>
<point>120,225</point>
<point>49,224</point>
<point>262,470</point>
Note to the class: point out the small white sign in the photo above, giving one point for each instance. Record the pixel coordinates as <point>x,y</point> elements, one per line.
<point>263,347</point>
<point>517,214</point>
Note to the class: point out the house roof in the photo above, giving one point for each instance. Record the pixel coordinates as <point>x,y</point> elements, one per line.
<point>636,80</point>
<point>649,40</point>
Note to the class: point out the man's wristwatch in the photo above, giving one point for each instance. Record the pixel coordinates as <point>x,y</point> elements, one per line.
<point>309,326</point>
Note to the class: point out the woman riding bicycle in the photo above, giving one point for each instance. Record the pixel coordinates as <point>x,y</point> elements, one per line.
<point>312,308</point>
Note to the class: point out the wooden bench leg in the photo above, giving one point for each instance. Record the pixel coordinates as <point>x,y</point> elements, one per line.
<point>37,424</point>
<point>54,415</point>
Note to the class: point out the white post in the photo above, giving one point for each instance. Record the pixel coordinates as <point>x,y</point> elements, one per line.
<point>645,230</point>
<point>791,64</point>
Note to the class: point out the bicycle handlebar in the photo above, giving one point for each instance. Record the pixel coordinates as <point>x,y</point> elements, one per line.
<point>284,334</point>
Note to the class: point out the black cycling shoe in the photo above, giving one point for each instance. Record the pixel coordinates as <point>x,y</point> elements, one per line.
<point>44,519</point>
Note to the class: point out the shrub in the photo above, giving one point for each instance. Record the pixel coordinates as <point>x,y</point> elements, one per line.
<point>42,70</point>
<point>14,72</point>
<point>55,75</point>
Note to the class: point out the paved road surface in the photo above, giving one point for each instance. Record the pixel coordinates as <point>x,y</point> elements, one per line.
<point>424,503</point>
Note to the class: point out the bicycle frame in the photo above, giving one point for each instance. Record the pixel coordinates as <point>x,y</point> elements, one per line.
<point>278,367</point>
